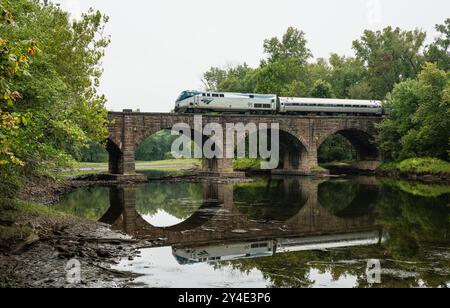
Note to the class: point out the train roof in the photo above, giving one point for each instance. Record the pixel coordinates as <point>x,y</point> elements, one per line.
<point>308,100</point>
<point>254,95</point>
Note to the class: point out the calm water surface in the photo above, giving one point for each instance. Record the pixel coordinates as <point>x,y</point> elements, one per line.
<point>282,232</point>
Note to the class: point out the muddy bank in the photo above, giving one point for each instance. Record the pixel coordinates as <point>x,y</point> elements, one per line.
<point>43,260</point>
<point>40,256</point>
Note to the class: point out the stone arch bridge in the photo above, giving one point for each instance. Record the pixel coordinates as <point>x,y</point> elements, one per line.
<point>300,138</point>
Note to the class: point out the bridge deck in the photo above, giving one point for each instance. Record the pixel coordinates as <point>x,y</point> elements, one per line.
<point>256,116</point>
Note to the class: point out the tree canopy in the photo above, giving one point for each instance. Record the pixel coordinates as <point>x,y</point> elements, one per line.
<point>419,121</point>
<point>51,66</point>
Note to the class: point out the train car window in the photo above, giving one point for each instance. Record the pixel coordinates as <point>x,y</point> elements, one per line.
<point>215,95</point>
<point>267,106</point>
<point>208,95</point>
<point>258,105</point>
<point>203,94</point>
<point>222,95</point>
<point>251,96</point>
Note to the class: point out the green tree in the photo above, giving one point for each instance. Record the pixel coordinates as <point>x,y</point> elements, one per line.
<point>319,70</point>
<point>59,95</point>
<point>292,45</point>
<point>360,90</point>
<point>213,78</point>
<point>277,77</point>
<point>336,148</point>
<point>439,52</point>
<point>322,89</point>
<point>391,56</point>
<point>94,152</point>
<point>346,75</point>
<point>419,122</point>
<point>15,58</point>
<point>157,147</point>
<point>233,79</point>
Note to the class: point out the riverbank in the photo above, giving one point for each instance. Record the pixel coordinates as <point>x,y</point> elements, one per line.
<point>37,242</point>
<point>428,170</point>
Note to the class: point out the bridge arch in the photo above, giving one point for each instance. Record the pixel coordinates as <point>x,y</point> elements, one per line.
<point>363,143</point>
<point>293,151</point>
<point>115,157</point>
<point>123,214</point>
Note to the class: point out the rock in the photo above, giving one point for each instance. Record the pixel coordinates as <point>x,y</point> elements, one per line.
<point>103,254</point>
<point>62,248</point>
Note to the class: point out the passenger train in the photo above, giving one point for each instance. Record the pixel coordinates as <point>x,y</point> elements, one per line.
<point>270,247</point>
<point>240,103</point>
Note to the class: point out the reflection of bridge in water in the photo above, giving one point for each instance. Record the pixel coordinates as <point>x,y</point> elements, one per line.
<point>219,220</point>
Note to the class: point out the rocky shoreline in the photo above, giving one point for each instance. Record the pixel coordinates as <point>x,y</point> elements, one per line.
<point>41,260</point>
<point>44,261</point>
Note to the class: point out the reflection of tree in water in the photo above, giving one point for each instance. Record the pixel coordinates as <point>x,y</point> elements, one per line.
<point>90,203</point>
<point>263,200</point>
<point>292,270</point>
<point>414,222</point>
<point>177,199</point>
<point>347,198</point>
<point>416,253</point>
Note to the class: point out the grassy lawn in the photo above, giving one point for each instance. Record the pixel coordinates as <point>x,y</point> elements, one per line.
<point>144,164</point>
<point>418,165</point>
<point>83,168</point>
<point>246,164</point>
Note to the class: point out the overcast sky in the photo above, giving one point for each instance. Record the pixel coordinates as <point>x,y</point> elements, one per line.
<point>161,47</point>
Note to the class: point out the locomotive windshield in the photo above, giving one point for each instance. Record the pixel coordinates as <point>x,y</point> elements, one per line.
<point>186,94</point>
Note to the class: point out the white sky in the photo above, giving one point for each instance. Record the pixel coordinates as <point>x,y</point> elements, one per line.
<point>161,47</point>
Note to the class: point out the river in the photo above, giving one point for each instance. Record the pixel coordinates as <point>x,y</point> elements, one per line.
<point>279,232</point>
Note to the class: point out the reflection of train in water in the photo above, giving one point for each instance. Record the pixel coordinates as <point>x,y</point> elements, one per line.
<point>204,102</point>
<point>266,248</point>
<point>226,252</point>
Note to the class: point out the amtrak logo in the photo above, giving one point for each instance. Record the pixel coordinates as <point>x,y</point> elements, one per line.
<point>207,100</point>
